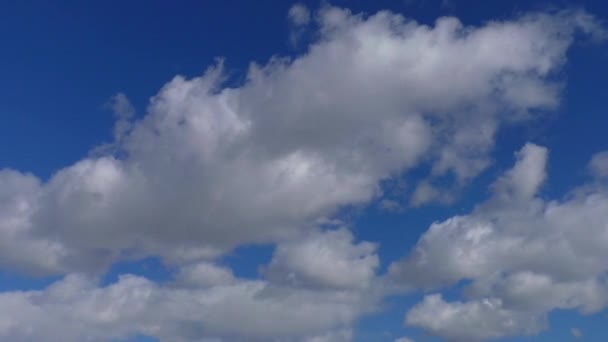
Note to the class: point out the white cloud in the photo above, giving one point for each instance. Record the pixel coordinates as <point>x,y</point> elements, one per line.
<point>318,285</point>
<point>523,255</point>
<point>204,274</point>
<point>404,339</point>
<point>523,181</point>
<point>241,311</point>
<point>478,320</point>
<point>577,333</point>
<point>299,15</point>
<point>209,168</point>
<point>327,259</point>
<point>19,249</point>
<point>599,165</point>
<point>343,335</point>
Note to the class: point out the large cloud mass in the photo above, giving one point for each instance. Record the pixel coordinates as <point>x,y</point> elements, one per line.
<point>211,167</point>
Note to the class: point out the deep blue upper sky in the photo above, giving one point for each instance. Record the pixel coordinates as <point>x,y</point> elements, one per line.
<point>61,61</point>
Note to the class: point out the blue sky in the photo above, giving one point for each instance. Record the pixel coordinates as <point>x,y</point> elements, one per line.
<point>358,170</point>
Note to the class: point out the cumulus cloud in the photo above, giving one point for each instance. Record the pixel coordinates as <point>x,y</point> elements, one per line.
<point>210,167</point>
<point>327,259</point>
<point>135,305</point>
<point>204,274</point>
<point>522,256</point>
<point>316,287</point>
<point>471,321</point>
<point>207,302</point>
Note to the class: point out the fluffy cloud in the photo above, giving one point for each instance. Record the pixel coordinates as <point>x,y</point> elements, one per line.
<point>204,300</point>
<point>478,320</point>
<point>211,167</point>
<point>136,305</point>
<point>522,256</point>
<point>18,194</point>
<point>325,260</point>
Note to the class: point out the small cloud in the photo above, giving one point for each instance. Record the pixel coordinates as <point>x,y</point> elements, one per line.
<point>390,205</point>
<point>577,333</point>
<point>299,18</point>
<point>404,339</point>
<point>599,165</point>
<point>426,193</point>
<point>124,112</point>
<point>299,15</point>
<point>121,106</point>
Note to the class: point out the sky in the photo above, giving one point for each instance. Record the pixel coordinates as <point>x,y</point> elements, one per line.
<point>319,171</point>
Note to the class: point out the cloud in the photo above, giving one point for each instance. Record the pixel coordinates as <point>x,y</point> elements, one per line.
<point>18,248</point>
<point>124,113</point>
<point>427,193</point>
<point>204,274</point>
<point>599,165</point>
<point>327,259</point>
<point>343,335</point>
<point>479,320</point>
<point>390,205</point>
<point>211,167</point>
<point>299,15</point>
<point>522,182</point>
<point>521,257</point>
<point>135,305</point>
<point>299,18</point>
<point>576,333</point>
<point>404,339</point>
<point>204,300</point>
